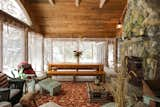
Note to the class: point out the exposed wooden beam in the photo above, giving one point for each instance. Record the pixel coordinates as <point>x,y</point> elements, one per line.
<point>77,35</point>
<point>52,2</point>
<point>77,2</point>
<point>123,13</point>
<point>101,3</point>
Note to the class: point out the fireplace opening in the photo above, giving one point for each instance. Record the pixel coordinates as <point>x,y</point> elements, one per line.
<point>135,70</point>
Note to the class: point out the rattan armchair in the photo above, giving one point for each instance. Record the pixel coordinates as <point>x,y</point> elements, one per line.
<point>10,89</point>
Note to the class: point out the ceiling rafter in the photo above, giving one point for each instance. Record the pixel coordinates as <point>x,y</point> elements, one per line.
<point>102,2</point>
<point>77,3</point>
<point>52,2</point>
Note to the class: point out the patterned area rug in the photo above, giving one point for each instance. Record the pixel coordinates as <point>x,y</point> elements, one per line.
<point>72,95</point>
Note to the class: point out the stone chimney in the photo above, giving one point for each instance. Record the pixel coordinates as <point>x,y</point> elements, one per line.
<point>141,38</point>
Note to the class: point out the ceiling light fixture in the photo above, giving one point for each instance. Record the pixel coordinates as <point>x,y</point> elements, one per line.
<point>119,25</point>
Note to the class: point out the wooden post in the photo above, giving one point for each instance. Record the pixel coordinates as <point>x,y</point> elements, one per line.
<point>106,56</point>
<point>42,53</point>
<point>26,44</point>
<point>1,45</point>
<point>115,53</point>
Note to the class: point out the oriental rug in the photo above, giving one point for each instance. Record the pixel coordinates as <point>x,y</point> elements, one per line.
<point>73,94</point>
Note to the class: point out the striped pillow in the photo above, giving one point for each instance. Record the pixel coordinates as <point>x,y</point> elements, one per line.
<point>3,81</point>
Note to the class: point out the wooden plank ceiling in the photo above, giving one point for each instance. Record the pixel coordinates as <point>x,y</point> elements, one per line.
<point>74,18</point>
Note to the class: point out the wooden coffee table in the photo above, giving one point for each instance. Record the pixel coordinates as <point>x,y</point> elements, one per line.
<point>99,93</point>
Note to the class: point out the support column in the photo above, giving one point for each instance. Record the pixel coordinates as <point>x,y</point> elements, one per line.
<point>42,53</point>
<point>1,45</point>
<point>115,53</point>
<point>106,54</point>
<point>26,44</point>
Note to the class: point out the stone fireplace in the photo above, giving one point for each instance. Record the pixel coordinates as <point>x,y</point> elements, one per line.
<point>141,39</point>
<point>141,35</point>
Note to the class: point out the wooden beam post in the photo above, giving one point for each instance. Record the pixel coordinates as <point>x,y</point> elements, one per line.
<point>106,56</point>
<point>26,44</point>
<point>115,53</point>
<point>52,2</point>
<point>42,53</point>
<point>77,2</point>
<point>102,2</point>
<point>1,45</point>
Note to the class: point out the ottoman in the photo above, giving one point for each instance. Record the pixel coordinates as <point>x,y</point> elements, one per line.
<point>50,85</point>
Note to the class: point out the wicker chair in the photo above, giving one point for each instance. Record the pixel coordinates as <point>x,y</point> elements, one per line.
<point>10,89</point>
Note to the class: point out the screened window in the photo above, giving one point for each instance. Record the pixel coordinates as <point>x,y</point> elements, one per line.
<point>15,9</point>
<point>35,50</point>
<point>89,52</point>
<point>47,52</point>
<point>110,55</point>
<point>13,47</point>
<point>61,51</point>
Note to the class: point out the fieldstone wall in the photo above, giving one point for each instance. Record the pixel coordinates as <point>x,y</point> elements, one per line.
<point>141,38</point>
<point>141,35</point>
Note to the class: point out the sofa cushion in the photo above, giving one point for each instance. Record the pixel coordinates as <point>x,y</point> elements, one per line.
<point>13,92</point>
<point>3,81</point>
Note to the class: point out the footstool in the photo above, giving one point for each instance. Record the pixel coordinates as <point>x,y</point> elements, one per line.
<point>50,85</point>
